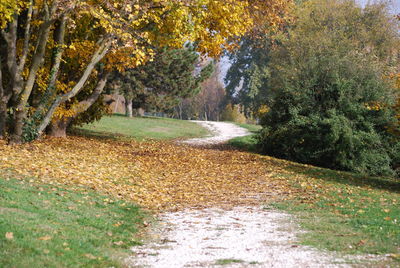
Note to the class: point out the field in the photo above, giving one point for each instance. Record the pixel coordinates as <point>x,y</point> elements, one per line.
<point>140,128</point>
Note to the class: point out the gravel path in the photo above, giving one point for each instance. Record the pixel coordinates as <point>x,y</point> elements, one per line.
<point>239,237</point>
<point>221,132</point>
<point>242,237</point>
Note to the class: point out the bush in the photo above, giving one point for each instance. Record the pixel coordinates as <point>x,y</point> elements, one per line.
<point>330,103</point>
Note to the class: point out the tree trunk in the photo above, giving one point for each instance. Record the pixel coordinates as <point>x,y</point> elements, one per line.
<point>97,56</point>
<point>59,129</point>
<point>180,111</point>
<point>37,59</point>
<point>3,118</point>
<point>128,107</point>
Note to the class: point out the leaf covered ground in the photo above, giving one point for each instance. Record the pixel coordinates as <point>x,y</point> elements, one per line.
<point>157,175</point>
<point>163,176</point>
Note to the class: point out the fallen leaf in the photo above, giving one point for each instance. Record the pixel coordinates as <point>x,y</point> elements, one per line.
<point>90,256</point>
<point>9,235</point>
<point>45,238</point>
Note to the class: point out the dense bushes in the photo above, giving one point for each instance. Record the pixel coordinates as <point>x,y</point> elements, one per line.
<point>330,104</point>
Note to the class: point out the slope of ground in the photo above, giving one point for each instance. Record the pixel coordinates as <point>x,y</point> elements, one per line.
<point>354,213</point>
<point>42,225</point>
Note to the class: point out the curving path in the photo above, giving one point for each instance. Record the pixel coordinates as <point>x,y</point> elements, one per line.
<point>220,132</point>
<point>238,237</point>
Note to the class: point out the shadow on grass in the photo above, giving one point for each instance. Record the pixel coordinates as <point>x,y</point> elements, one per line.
<point>384,183</point>
<point>98,135</point>
<point>249,143</point>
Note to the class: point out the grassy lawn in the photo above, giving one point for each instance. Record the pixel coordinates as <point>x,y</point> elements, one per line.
<point>48,226</point>
<point>350,213</point>
<point>250,127</point>
<point>140,128</point>
<point>247,143</point>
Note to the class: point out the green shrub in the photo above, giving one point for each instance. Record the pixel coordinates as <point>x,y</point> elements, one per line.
<point>330,102</point>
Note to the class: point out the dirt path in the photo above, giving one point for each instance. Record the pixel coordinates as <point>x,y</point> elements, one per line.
<point>237,237</point>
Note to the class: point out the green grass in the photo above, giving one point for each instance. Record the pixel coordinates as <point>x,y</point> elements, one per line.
<point>55,227</point>
<point>140,128</point>
<point>250,127</point>
<point>227,261</point>
<point>350,213</point>
<point>247,143</point>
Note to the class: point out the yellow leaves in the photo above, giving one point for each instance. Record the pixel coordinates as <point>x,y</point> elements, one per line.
<point>156,175</point>
<point>79,53</point>
<point>45,238</point>
<point>7,9</point>
<point>373,106</point>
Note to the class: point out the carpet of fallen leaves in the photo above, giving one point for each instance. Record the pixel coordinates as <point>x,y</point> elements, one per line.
<point>156,175</point>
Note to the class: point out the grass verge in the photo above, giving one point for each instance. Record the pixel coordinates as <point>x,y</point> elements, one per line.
<point>141,128</point>
<point>349,213</point>
<point>47,226</point>
<point>246,143</point>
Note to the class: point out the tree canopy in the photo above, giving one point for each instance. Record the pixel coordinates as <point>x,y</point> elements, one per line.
<point>54,49</point>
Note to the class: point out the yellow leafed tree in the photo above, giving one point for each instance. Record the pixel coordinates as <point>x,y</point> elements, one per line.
<point>51,50</point>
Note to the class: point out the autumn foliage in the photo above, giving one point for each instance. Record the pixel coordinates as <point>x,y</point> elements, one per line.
<point>53,50</point>
<point>157,175</point>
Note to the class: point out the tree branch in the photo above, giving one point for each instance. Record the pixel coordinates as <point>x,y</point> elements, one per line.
<point>82,106</point>
<point>11,39</point>
<point>97,56</point>
<point>38,56</point>
<point>27,36</point>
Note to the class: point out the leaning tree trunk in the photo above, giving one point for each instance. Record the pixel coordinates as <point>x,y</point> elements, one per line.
<point>59,128</point>
<point>97,56</point>
<point>3,106</point>
<point>128,107</point>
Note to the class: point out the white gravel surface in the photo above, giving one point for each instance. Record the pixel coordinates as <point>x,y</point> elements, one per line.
<point>252,237</point>
<point>220,132</point>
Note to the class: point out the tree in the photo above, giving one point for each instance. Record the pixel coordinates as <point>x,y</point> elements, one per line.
<point>119,34</point>
<point>159,84</point>
<point>247,76</point>
<point>331,103</point>
<point>208,103</point>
